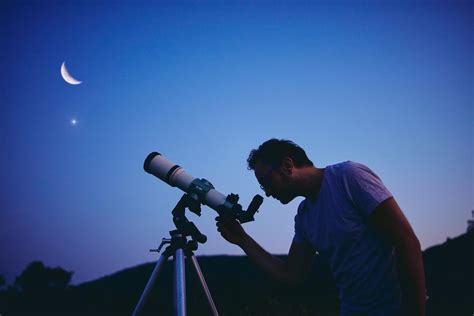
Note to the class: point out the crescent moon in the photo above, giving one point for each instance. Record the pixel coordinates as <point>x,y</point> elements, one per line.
<point>67,76</point>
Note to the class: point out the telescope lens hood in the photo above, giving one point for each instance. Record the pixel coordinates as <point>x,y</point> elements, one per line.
<point>146,164</point>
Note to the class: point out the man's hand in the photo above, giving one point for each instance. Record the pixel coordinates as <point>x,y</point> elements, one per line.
<point>291,272</point>
<point>231,230</point>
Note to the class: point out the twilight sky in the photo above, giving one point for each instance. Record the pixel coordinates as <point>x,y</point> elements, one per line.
<point>385,83</point>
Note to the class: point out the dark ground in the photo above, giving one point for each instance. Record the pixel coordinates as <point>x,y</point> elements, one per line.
<point>237,287</point>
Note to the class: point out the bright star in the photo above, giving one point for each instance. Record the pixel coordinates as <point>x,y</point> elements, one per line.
<point>73,122</point>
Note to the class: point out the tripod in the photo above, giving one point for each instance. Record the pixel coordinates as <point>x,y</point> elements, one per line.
<point>179,247</point>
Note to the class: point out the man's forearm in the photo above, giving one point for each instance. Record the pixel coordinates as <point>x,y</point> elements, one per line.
<point>273,266</point>
<point>412,276</point>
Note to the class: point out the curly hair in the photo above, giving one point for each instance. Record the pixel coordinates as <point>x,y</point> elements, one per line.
<point>273,151</point>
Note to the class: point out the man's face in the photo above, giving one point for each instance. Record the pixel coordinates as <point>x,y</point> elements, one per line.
<point>274,181</point>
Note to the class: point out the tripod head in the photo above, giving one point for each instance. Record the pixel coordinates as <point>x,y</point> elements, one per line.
<point>184,228</point>
<point>183,225</point>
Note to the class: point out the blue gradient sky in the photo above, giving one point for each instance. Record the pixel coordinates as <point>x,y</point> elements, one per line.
<point>387,84</point>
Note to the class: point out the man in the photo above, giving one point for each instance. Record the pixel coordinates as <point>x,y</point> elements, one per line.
<point>347,216</point>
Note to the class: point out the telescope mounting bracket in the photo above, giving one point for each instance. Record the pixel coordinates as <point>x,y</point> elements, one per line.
<point>183,225</point>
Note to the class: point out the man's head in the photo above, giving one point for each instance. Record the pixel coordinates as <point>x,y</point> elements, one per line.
<point>276,163</point>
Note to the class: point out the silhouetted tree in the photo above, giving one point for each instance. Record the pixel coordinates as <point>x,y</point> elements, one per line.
<point>3,282</point>
<point>36,278</point>
<point>38,290</point>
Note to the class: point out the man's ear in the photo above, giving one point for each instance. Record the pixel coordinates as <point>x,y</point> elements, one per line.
<point>287,165</point>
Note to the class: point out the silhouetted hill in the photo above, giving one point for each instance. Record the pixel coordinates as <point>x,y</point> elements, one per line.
<point>239,288</point>
<point>449,270</point>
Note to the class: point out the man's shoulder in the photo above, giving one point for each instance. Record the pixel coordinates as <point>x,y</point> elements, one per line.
<point>348,164</point>
<point>348,167</point>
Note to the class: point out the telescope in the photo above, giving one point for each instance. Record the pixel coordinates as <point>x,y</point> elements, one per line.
<point>197,192</point>
<point>201,191</point>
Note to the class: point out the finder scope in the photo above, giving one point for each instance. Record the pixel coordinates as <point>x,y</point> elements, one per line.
<point>200,189</point>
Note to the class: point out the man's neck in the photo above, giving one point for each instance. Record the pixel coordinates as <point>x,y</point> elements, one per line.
<point>311,180</point>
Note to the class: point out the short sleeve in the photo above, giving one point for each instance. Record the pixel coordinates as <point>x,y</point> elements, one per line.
<point>299,237</point>
<point>364,188</point>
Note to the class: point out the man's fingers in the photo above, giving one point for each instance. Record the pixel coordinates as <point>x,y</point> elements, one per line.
<point>223,231</point>
<point>224,219</point>
<point>221,226</point>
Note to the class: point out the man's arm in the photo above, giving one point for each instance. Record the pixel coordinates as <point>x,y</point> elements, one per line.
<point>292,271</point>
<point>389,222</point>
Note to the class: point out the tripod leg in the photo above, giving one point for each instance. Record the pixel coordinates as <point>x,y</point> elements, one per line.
<point>149,284</point>
<point>179,284</point>
<point>204,286</point>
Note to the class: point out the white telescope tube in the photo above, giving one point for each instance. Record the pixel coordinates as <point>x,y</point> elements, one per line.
<point>176,176</point>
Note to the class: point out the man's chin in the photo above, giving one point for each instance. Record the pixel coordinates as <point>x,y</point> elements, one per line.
<point>284,200</point>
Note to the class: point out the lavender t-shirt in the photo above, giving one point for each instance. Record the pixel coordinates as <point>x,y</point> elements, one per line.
<point>335,224</point>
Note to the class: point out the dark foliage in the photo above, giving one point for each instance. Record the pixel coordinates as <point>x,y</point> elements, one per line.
<point>37,278</point>
<point>237,286</point>
<point>37,288</point>
<point>2,281</point>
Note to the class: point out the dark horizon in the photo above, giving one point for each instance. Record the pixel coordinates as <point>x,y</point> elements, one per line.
<point>250,293</point>
<point>198,255</point>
